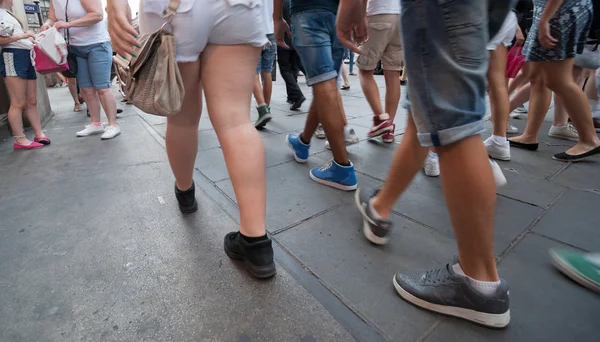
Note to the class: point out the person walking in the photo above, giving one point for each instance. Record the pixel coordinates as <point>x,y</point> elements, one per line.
<point>212,36</point>
<point>88,39</point>
<point>447,89</point>
<point>20,78</point>
<point>264,71</point>
<point>289,64</point>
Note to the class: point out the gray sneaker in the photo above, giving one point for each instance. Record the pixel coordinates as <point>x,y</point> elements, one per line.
<point>376,230</point>
<point>442,291</point>
<point>264,116</point>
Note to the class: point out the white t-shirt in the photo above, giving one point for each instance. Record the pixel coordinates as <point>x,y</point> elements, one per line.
<point>383,7</point>
<point>19,44</point>
<point>80,36</point>
<point>268,13</point>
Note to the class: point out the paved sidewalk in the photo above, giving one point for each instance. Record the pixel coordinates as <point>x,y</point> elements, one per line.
<point>93,246</point>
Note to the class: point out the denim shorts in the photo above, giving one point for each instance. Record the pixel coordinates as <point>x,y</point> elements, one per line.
<point>267,56</point>
<point>446,62</point>
<point>94,63</point>
<point>17,63</point>
<point>314,38</point>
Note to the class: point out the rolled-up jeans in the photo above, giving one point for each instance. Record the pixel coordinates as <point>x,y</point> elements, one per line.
<point>446,61</point>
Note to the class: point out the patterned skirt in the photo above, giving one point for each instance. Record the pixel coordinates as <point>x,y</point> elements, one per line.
<point>570,26</point>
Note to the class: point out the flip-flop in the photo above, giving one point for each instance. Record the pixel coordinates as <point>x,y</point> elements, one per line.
<point>564,156</point>
<point>43,141</point>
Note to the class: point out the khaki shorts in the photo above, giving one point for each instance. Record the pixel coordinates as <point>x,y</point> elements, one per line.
<point>384,44</point>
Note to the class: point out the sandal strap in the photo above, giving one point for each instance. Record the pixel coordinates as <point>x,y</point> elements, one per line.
<point>17,137</point>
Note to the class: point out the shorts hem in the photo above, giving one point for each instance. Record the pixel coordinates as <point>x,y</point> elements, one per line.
<point>451,135</point>
<point>322,78</point>
<point>185,59</point>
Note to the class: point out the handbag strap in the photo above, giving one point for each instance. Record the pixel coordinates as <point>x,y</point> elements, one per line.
<point>171,9</point>
<point>67,36</point>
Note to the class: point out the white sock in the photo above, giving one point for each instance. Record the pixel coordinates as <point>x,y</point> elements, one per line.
<point>483,287</point>
<point>433,154</point>
<point>500,140</point>
<point>346,131</point>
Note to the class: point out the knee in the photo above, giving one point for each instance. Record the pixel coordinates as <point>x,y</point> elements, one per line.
<point>536,80</point>
<point>88,93</point>
<point>18,104</point>
<point>554,84</point>
<point>104,92</point>
<point>32,102</point>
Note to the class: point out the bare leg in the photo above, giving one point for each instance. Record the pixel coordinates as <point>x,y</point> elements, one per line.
<point>32,112</point>
<point>331,114</point>
<point>267,84</point>
<point>109,103</point>
<point>371,90</point>
<point>392,92</point>
<point>521,79</point>
<point>497,90</point>
<point>522,96</point>
<point>17,90</point>
<point>312,121</point>
<point>242,147</point>
<point>258,90</point>
<point>345,75</point>
<point>407,161</point>
<point>73,90</point>
<point>93,103</point>
<point>538,105</point>
<point>182,129</point>
<point>558,77</point>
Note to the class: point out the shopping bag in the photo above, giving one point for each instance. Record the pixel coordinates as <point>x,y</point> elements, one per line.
<point>514,61</point>
<point>53,45</point>
<point>44,65</point>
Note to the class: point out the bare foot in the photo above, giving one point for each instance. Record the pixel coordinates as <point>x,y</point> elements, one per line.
<point>23,141</point>
<point>523,140</point>
<point>580,148</point>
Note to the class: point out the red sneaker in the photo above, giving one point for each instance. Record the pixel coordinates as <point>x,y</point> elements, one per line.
<point>381,125</point>
<point>389,136</point>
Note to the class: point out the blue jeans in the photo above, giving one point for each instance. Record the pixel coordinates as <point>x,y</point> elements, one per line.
<point>446,61</point>
<point>267,56</point>
<point>17,63</point>
<point>314,38</point>
<point>94,63</point>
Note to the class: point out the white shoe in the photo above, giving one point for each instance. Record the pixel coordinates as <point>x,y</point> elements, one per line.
<point>498,174</point>
<point>500,151</point>
<point>510,129</point>
<point>432,166</point>
<point>91,130</point>
<point>519,113</point>
<point>567,132</point>
<point>111,132</point>
<point>350,139</point>
<point>320,132</point>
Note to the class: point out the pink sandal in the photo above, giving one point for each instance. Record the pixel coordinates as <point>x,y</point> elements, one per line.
<point>43,140</point>
<point>27,147</point>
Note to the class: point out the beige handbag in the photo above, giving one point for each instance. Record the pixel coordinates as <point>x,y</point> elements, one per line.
<point>154,83</point>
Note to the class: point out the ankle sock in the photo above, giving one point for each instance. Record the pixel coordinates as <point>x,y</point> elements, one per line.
<point>346,131</point>
<point>302,140</point>
<point>483,287</point>
<point>97,124</point>
<point>343,164</point>
<point>250,239</point>
<point>499,140</point>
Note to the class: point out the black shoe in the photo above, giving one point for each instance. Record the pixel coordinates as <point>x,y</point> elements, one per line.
<point>298,103</point>
<point>376,230</point>
<point>575,157</point>
<point>187,199</point>
<point>257,256</point>
<point>119,111</point>
<point>529,147</point>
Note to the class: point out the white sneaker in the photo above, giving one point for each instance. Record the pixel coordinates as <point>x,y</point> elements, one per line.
<point>498,174</point>
<point>432,166</point>
<point>91,130</point>
<point>519,113</point>
<point>320,132</point>
<point>350,139</point>
<point>567,132</point>
<point>500,151</point>
<point>510,129</point>
<point>111,132</point>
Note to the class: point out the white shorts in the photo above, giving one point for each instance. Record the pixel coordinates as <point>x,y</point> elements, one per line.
<point>506,34</point>
<point>201,22</point>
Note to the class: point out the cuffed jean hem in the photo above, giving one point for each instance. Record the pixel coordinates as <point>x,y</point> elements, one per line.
<point>321,78</point>
<point>451,135</point>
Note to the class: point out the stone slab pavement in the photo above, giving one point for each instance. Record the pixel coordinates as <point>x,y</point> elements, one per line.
<point>92,246</point>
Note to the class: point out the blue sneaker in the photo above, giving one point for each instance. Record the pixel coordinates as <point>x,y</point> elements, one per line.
<point>335,176</point>
<point>300,148</point>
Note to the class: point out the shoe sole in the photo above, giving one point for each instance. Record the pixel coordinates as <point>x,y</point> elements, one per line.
<point>380,132</point>
<point>333,184</point>
<point>298,159</point>
<point>573,274</point>
<point>498,156</point>
<point>366,228</point>
<point>562,137</point>
<point>260,272</point>
<point>114,136</point>
<point>485,319</point>
<point>89,135</point>
<point>189,210</point>
<point>388,141</point>
<point>431,173</point>
<point>320,136</point>
<point>518,116</point>
<point>297,105</point>
<point>260,123</point>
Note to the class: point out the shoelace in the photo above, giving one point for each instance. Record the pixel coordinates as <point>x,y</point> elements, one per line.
<point>326,166</point>
<point>572,129</point>
<point>436,275</point>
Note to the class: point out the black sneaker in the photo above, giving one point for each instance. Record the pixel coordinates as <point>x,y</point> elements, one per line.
<point>376,230</point>
<point>264,116</point>
<point>298,103</point>
<point>187,199</point>
<point>257,256</point>
<point>442,291</point>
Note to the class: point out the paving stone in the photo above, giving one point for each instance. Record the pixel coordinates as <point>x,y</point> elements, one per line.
<point>582,175</point>
<point>544,305</point>
<point>212,164</point>
<point>536,191</point>
<point>293,197</point>
<point>574,220</point>
<point>361,273</point>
